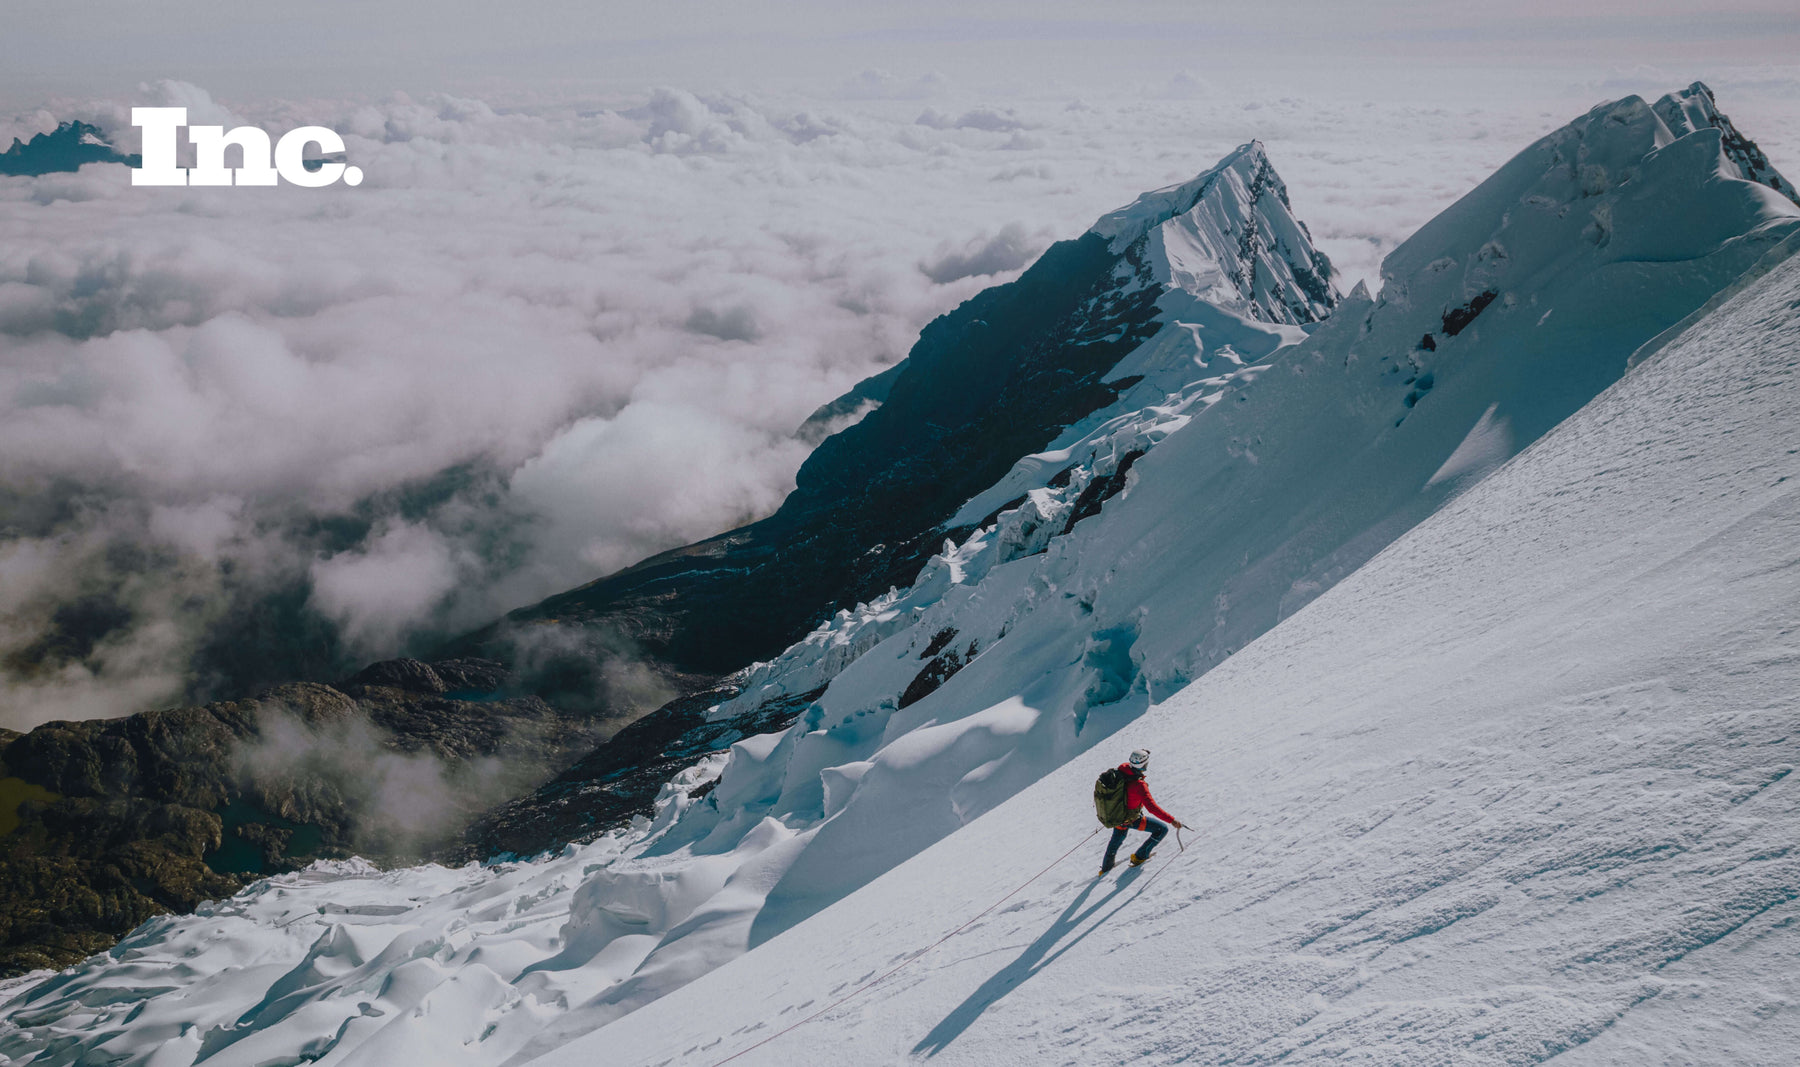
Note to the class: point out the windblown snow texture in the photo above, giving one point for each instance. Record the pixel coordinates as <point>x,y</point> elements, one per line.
<point>1622,589</point>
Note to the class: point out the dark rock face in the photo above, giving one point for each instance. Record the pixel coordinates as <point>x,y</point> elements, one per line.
<point>870,393</point>
<point>64,149</point>
<point>987,383</point>
<point>406,674</point>
<point>940,670</point>
<point>1101,489</point>
<point>1457,319</point>
<point>78,874</point>
<point>162,810</point>
<point>469,676</point>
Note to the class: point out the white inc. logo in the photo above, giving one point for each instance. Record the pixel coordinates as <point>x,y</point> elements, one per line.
<point>289,164</point>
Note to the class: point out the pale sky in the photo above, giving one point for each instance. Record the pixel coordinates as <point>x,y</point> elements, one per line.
<point>336,47</point>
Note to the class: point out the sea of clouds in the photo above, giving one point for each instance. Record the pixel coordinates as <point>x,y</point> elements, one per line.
<point>255,434</point>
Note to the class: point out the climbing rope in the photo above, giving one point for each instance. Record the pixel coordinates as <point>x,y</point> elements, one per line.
<point>924,952</point>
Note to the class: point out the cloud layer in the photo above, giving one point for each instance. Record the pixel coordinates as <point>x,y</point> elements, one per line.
<point>247,434</point>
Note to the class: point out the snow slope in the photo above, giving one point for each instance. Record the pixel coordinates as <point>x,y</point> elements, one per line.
<point>1237,479</point>
<point>1519,788</point>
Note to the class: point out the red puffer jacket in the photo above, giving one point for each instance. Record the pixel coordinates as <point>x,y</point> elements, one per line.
<point>1137,795</point>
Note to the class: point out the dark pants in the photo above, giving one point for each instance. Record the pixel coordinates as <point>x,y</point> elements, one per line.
<point>1157,831</point>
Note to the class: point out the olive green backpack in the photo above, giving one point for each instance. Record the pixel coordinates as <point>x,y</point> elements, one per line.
<point>1109,798</point>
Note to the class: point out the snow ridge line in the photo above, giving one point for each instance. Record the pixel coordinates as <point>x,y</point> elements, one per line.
<point>873,982</point>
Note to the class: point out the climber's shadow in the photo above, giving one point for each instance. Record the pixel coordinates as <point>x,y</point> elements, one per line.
<point>1035,958</point>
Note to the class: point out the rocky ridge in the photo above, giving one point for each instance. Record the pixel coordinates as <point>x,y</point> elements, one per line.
<point>66,148</point>
<point>116,821</point>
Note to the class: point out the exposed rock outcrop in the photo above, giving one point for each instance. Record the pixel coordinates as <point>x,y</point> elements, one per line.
<point>120,820</point>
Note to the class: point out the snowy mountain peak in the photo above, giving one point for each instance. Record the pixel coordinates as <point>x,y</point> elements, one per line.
<point>1695,108</point>
<point>1157,206</point>
<point>1229,237</point>
<point>1626,185</point>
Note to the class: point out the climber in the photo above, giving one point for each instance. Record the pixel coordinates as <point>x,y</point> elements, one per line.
<point>1120,800</point>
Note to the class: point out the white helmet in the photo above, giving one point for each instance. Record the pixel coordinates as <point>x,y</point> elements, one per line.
<point>1140,760</point>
